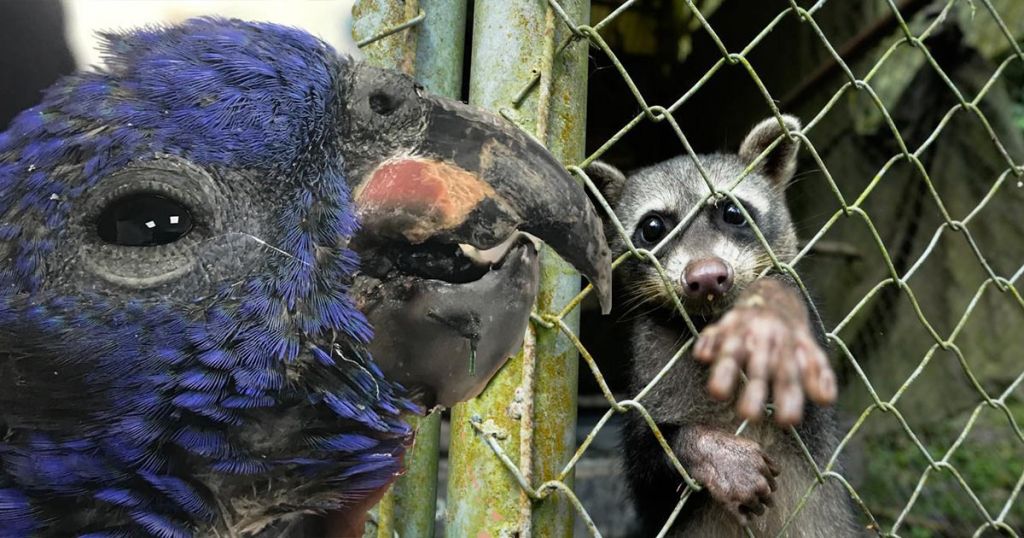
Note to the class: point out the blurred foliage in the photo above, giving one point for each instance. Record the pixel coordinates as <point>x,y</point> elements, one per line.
<point>989,460</point>
<point>983,32</point>
<point>900,68</point>
<point>646,27</point>
<point>1015,85</point>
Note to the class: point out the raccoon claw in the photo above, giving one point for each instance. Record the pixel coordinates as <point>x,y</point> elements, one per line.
<point>775,350</point>
<point>736,472</point>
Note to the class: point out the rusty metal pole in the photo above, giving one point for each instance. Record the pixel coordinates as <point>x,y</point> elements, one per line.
<point>431,50</point>
<point>530,406</point>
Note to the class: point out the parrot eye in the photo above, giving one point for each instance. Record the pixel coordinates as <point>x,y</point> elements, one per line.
<point>143,220</point>
<point>384,104</point>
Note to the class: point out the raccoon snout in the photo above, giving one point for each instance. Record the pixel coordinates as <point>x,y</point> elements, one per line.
<point>707,279</point>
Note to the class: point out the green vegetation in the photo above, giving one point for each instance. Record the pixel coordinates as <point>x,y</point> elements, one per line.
<point>990,460</point>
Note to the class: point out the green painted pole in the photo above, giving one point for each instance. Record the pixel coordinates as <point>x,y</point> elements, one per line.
<point>431,50</point>
<point>530,406</point>
<point>409,509</point>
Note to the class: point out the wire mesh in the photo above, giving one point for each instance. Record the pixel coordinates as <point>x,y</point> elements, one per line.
<point>848,209</point>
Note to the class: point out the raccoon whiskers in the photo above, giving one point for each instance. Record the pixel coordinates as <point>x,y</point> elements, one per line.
<point>646,292</point>
<point>642,314</point>
<point>748,263</point>
<point>798,178</point>
<point>761,262</point>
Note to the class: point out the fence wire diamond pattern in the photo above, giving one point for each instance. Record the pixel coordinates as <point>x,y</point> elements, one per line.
<point>1004,284</point>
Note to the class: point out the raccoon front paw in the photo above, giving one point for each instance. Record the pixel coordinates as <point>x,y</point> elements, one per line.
<point>735,471</point>
<point>774,347</point>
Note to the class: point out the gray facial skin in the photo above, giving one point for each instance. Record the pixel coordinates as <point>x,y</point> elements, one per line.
<point>464,331</point>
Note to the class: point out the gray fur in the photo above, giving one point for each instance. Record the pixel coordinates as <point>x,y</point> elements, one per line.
<point>679,402</point>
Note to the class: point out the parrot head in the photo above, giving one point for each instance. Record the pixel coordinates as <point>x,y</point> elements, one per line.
<point>210,249</point>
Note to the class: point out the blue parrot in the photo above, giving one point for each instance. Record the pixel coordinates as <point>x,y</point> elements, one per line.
<point>231,259</point>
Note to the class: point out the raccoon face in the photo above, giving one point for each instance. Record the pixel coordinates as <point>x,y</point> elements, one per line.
<point>717,254</point>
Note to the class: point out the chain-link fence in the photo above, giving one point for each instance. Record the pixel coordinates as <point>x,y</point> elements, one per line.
<point>505,431</point>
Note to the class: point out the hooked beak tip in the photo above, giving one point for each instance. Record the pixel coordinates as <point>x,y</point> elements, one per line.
<point>476,179</point>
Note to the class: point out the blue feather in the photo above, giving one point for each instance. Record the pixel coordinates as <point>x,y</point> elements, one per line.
<point>182,493</point>
<point>160,526</point>
<point>120,497</point>
<point>203,380</point>
<point>347,442</point>
<point>16,513</point>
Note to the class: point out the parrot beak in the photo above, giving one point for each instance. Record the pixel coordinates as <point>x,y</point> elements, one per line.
<point>449,275</point>
<point>476,179</point>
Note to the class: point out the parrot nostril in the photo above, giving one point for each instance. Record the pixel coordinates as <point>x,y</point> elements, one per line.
<point>383,103</point>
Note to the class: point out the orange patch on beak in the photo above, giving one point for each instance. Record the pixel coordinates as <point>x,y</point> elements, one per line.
<point>421,196</point>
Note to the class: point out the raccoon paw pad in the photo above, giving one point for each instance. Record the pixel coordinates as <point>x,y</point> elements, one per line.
<point>737,474</point>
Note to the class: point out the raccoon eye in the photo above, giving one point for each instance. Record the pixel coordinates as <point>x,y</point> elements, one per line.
<point>732,215</point>
<point>652,229</point>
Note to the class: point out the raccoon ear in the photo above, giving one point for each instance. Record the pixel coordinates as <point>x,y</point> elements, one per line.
<point>608,179</point>
<point>780,164</point>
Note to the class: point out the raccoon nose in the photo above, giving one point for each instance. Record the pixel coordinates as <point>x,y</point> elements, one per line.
<point>707,279</point>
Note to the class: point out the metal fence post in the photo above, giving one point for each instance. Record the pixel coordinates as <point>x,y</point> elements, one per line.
<point>431,50</point>
<point>530,406</point>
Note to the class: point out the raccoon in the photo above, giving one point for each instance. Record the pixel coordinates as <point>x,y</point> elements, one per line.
<point>758,325</point>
